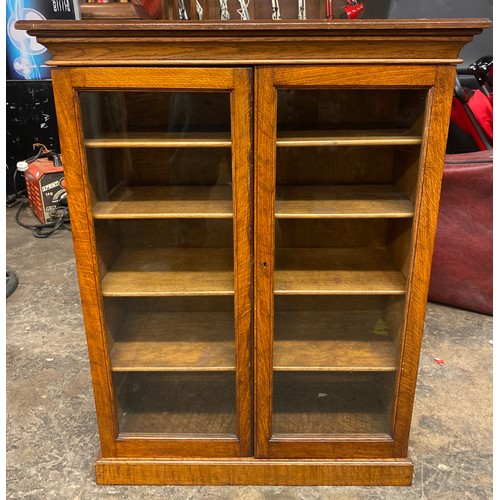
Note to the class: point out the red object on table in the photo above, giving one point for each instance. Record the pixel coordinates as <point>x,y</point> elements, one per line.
<point>148,9</point>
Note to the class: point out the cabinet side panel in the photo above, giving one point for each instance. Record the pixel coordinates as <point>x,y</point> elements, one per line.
<point>427,206</point>
<point>85,255</point>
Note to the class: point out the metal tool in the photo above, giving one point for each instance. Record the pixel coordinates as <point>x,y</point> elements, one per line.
<point>302,10</point>
<point>199,10</point>
<point>276,10</point>
<point>224,11</point>
<point>182,10</point>
<point>243,12</point>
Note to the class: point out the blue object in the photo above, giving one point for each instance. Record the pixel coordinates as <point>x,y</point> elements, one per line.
<point>26,58</point>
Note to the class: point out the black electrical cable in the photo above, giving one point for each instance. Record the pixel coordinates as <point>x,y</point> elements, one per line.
<point>41,151</point>
<point>45,230</point>
<point>18,196</point>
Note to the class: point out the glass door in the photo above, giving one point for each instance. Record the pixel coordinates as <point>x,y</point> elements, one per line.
<point>167,168</point>
<point>340,172</point>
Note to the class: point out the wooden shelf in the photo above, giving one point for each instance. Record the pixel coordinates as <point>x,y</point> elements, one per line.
<point>177,403</point>
<point>331,341</point>
<point>380,137</point>
<point>161,140</point>
<point>170,272</point>
<point>342,271</point>
<point>329,404</point>
<point>370,201</point>
<point>140,202</point>
<point>175,341</point>
<point>162,202</point>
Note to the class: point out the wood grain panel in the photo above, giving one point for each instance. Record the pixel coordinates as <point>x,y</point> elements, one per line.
<point>427,207</point>
<point>375,27</point>
<point>70,136</point>
<point>170,272</point>
<point>175,341</point>
<point>356,201</point>
<point>242,172</point>
<point>172,233</point>
<point>143,43</point>
<point>399,244</point>
<point>358,76</point>
<point>326,341</point>
<point>406,171</point>
<point>359,472</point>
<point>148,202</point>
<point>165,166</point>
<point>163,140</point>
<point>336,271</point>
<point>180,446</point>
<point>336,166</point>
<point>265,180</point>
<point>154,78</point>
<point>339,282</point>
<point>108,246</point>
<point>259,51</point>
<point>352,112</point>
<point>316,233</point>
<point>321,138</point>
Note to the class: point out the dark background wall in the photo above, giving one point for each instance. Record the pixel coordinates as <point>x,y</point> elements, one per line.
<point>30,117</point>
<point>482,44</point>
<point>30,113</point>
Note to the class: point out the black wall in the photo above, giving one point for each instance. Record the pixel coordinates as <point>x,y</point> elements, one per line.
<point>482,45</point>
<point>30,117</point>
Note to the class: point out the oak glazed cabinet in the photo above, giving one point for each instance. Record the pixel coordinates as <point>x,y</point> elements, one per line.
<point>253,209</point>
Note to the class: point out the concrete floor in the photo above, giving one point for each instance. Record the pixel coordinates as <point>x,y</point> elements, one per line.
<point>51,428</point>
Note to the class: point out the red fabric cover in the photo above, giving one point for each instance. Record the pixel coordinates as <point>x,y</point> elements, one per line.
<point>462,266</point>
<point>482,108</point>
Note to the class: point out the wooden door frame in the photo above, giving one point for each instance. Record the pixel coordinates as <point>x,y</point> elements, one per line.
<point>438,80</point>
<point>67,82</point>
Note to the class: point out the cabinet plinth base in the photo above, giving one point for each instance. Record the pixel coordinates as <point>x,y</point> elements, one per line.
<point>249,471</point>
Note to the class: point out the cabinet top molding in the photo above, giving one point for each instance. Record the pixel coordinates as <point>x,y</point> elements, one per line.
<point>146,43</point>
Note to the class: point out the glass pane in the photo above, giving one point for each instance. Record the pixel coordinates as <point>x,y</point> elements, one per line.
<point>351,110</point>
<point>332,403</point>
<point>166,257</point>
<point>162,153</point>
<point>335,359</point>
<point>173,362</point>
<point>347,164</point>
<point>160,176</point>
<point>185,403</point>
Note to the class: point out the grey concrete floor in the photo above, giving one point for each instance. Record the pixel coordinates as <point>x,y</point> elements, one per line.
<point>51,427</point>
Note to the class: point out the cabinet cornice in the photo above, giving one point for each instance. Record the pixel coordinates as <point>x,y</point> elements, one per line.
<point>423,41</point>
